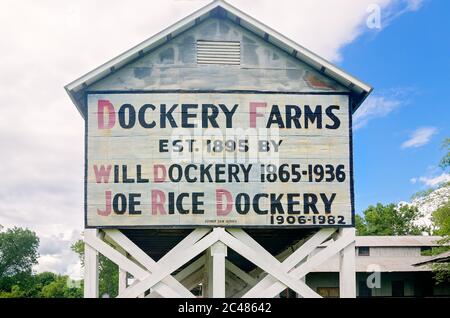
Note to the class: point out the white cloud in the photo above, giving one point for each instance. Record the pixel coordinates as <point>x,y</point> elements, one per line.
<point>399,8</point>
<point>65,264</point>
<point>49,43</point>
<point>375,106</point>
<point>56,254</point>
<point>432,181</point>
<point>414,5</point>
<point>420,137</point>
<point>325,26</point>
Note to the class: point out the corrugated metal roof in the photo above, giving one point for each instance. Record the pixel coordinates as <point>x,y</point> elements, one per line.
<point>441,258</point>
<point>392,241</point>
<point>359,89</point>
<point>395,241</point>
<point>398,263</point>
<point>377,263</point>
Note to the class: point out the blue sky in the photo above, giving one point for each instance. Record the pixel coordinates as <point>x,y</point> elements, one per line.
<point>407,61</point>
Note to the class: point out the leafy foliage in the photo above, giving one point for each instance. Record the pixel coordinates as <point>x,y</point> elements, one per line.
<point>441,272</point>
<point>422,193</point>
<point>61,288</point>
<point>18,251</point>
<point>445,161</point>
<point>43,285</point>
<point>441,221</point>
<point>389,220</point>
<point>18,254</point>
<point>441,227</point>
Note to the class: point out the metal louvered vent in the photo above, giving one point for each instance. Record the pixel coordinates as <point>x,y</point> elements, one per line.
<point>217,52</point>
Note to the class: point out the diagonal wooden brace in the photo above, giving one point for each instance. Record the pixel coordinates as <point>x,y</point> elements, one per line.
<point>145,260</point>
<point>123,262</point>
<point>311,263</point>
<point>171,262</point>
<point>289,263</point>
<point>269,264</point>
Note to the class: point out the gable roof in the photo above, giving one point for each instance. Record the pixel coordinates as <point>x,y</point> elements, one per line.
<point>441,258</point>
<point>359,90</point>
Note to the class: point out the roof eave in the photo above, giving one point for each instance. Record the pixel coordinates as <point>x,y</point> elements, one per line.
<point>322,65</point>
<point>302,51</point>
<point>105,68</point>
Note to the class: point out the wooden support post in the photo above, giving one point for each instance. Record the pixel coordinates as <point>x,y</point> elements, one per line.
<point>216,270</point>
<point>123,278</point>
<point>90,266</point>
<point>123,275</point>
<point>347,266</point>
<point>176,289</point>
<point>179,255</point>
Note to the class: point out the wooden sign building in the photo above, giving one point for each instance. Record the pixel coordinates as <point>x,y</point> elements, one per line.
<point>219,153</point>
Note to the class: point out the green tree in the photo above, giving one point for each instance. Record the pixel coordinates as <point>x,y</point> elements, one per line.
<point>441,222</point>
<point>18,252</point>
<point>445,161</point>
<point>42,285</point>
<point>108,271</point>
<point>18,255</point>
<point>389,220</point>
<point>360,224</point>
<point>35,283</point>
<point>61,288</point>
<point>16,292</point>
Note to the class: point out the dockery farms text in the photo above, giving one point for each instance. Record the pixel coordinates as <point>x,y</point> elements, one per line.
<point>212,159</point>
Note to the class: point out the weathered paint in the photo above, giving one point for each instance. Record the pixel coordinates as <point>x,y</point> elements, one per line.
<point>222,11</point>
<point>113,145</point>
<point>263,66</point>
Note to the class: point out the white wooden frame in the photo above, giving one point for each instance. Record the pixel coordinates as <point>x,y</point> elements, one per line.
<point>218,274</point>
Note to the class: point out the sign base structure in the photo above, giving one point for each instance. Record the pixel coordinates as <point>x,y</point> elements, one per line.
<point>200,259</point>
